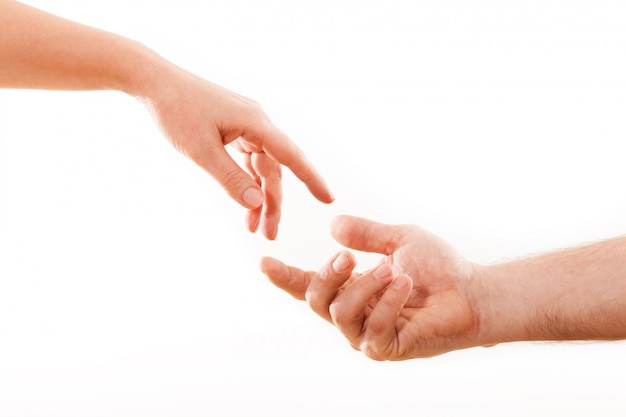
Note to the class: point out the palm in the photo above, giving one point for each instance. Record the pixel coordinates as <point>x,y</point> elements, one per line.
<point>437,314</point>
<point>437,309</point>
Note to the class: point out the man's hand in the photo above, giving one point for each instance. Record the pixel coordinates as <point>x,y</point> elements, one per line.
<point>416,303</point>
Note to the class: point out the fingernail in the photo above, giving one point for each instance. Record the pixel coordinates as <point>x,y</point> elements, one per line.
<point>401,282</point>
<point>383,272</point>
<point>253,197</point>
<point>341,263</point>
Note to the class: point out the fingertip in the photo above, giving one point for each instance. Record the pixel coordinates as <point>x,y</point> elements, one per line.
<point>240,185</point>
<point>274,270</point>
<point>269,265</point>
<point>270,222</point>
<point>338,221</point>
<point>340,227</point>
<point>320,191</point>
<point>290,279</point>
<point>253,197</point>
<point>270,231</point>
<point>402,282</point>
<point>370,352</point>
<point>326,196</point>
<point>366,235</point>
<point>342,262</point>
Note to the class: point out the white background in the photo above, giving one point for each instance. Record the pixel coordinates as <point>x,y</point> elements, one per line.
<point>129,287</point>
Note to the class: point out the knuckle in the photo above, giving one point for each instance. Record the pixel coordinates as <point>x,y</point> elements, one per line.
<point>325,273</point>
<point>251,111</point>
<point>294,157</point>
<point>316,303</point>
<point>231,179</point>
<point>376,326</point>
<point>311,299</point>
<point>279,171</point>
<point>264,166</point>
<point>390,302</point>
<point>292,283</point>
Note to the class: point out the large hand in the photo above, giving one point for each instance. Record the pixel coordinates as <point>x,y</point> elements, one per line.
<point>200,118</point>
<point>416,303</point>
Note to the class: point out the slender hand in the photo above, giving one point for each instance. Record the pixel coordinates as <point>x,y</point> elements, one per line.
<point>42,51</point>
<point>200,118</point>
<point>424,299</point>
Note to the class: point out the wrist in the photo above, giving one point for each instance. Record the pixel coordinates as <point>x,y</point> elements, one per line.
<point>139,71</point>
<point>505,305</point>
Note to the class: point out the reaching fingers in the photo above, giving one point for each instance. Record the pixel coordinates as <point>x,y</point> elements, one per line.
<point>349,307</point>
<point>270,175</point>
<point>281,149</point>
<point>253,217</point>
<point>325,285</point>
<point>380,338</point>
<point>267,174</point>
<point>293,280</point>
<point>366,235</point>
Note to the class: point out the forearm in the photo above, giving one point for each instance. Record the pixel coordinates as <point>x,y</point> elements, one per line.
<point>574,294</point>
<point>42,51</point>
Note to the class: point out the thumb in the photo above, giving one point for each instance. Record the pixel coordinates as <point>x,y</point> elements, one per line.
<point>366,235</point>
<point>237,183</point>
<point>293,280</point>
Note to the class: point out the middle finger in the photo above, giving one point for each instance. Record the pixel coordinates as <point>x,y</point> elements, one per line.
<point>327,282</point>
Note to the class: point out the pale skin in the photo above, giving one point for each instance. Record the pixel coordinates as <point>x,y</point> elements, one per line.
<point>42,51</point>
<point>424,298</point>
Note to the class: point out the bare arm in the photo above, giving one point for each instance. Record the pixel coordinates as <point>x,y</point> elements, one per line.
<point>574,294</point>
<point>42,51</point>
